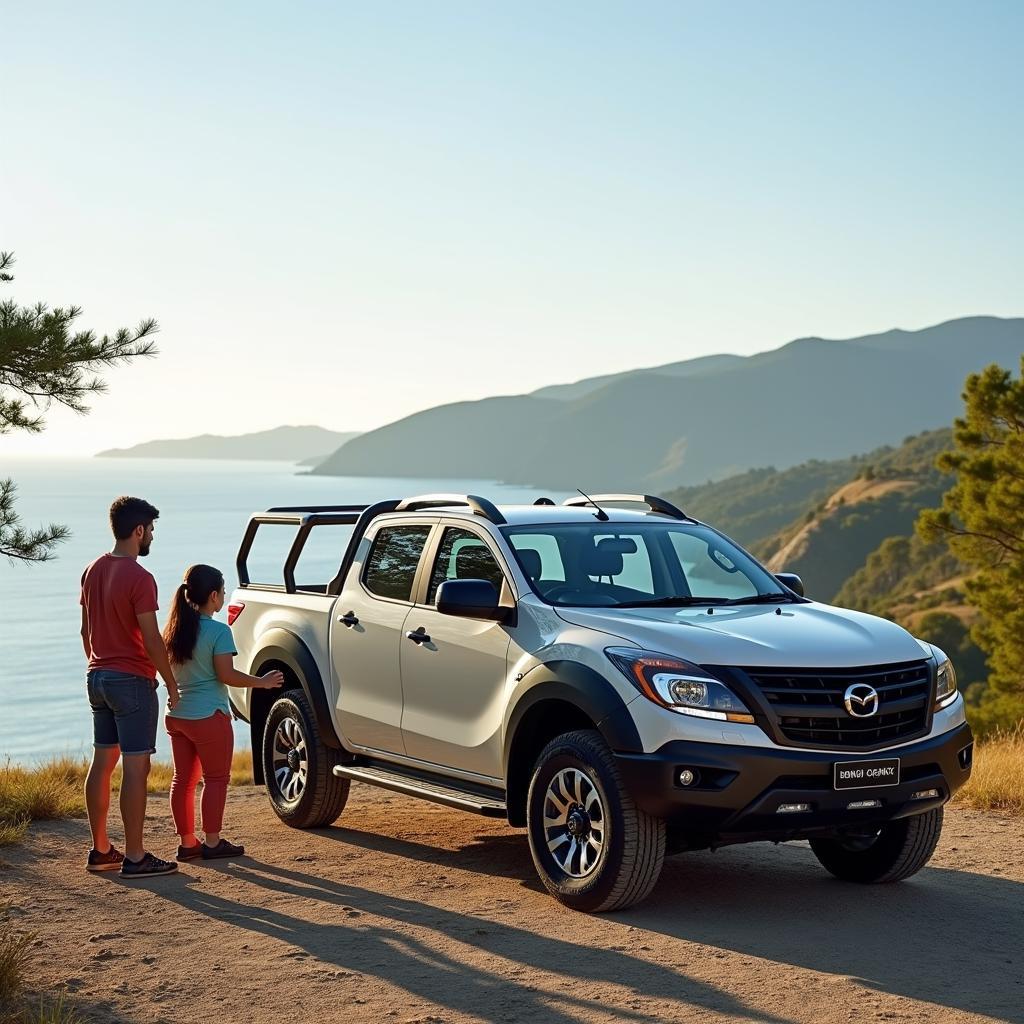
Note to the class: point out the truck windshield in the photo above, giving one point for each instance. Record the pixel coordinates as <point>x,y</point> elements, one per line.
<point>632,565</point>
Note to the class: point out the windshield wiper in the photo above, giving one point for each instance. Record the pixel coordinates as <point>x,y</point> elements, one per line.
<point>675,601</point>
<point>777,598</point>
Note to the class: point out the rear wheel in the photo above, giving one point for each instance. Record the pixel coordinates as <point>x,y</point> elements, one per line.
<point>593,848</point>
<point>298,766</point>
<point>890,853</point>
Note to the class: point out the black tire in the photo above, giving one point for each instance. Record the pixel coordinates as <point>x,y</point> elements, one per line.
<point>321,797</point>
<point>632,843</point>
<point>900,849</point>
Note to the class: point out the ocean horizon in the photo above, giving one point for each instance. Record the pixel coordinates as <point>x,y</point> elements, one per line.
<point>204,505</point>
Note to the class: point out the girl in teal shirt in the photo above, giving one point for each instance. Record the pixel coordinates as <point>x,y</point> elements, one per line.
<point>201,650</point>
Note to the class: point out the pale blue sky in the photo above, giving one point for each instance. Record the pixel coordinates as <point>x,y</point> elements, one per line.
<point>342,213</point>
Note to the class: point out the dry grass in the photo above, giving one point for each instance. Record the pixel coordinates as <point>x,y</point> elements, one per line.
<point>14,957</point>
<point>47,1011</point>
<point>15,1006</point>
<point>54,790</point>
<point>997,781</point>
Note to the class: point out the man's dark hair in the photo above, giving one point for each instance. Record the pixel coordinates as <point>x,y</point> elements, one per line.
<point>127,513</point>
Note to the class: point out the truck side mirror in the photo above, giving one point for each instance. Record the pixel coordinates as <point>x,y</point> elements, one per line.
<point>472,599</point>
<point>791,580</point>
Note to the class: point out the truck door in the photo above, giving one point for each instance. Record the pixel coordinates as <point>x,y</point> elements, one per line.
<point>375,600</point>
<point>454,682</point>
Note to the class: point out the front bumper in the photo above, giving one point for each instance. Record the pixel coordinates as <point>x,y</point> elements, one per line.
<point>739,789</point>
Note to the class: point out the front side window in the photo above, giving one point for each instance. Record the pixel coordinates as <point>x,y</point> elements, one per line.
<point>391,566</point>
<point>656,563</point>
<point>463,556</point>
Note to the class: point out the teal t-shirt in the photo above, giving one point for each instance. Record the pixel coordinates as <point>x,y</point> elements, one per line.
<point>202,693</point>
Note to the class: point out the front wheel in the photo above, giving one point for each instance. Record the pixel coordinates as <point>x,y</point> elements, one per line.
<point>299,767</point>
<point>593,848</point>
<point>890,853</point>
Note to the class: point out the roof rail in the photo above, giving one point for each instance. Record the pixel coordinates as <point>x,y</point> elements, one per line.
<point>654,503</point>
<point>317,509</point>
<point>480,506</point>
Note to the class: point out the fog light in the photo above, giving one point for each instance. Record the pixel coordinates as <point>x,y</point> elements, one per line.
<point>859,805</point>
<point>792,808</point>
<point>687,777</point>
<point>925,794</point>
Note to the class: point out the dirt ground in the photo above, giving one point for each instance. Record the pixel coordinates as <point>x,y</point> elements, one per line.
<point>410,912</point>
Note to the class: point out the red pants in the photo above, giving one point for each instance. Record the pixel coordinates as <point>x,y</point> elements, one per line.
<point>201,747</point>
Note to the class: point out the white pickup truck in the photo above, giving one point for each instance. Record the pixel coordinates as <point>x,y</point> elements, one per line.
<point>616,677</point>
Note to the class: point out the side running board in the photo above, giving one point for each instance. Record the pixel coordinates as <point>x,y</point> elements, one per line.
<point>439,792</point>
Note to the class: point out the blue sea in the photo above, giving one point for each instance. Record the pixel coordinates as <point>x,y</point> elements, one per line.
<point>204,506</point>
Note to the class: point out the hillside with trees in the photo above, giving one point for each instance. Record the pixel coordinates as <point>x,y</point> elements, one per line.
<point>848,528</point>
<point>684,423</point>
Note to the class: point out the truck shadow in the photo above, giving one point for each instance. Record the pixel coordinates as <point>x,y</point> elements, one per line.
<point>949,937</point>
<point>428,965</point>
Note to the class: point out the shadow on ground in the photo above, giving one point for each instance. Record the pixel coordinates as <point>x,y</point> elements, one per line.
<point>428,966</point>
<point>951,938</point>
<point>954,938</point>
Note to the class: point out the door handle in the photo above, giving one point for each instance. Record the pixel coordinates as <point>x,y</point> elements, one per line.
<point>349,618</point>
<point>418,637</point>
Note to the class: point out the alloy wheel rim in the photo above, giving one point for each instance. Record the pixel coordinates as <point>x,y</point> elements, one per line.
<point>574,822</point>
<point>290,759</point>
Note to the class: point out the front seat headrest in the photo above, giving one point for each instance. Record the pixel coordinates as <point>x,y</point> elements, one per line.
<point>601,562</point>
<point>529,560</point>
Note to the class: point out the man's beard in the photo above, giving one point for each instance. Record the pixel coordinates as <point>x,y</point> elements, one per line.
<point>143,551</point>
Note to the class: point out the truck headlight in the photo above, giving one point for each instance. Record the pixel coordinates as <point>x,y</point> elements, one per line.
<point>945,685</point>
<point>679,685</point>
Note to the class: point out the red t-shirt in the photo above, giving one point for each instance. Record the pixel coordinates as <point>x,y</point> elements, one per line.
<point>114,591</point>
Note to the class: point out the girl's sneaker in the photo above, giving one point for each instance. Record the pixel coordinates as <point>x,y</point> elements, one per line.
<point>222,849</point>
<point>187,853</point>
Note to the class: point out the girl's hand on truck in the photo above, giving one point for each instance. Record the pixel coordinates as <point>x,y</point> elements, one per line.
<point>271,680</point>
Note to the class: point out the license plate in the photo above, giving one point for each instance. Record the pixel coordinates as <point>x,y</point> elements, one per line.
<point>867,774</point>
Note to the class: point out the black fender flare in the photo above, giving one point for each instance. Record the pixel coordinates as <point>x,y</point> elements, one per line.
<point>280,645</point>
<point>570,683</point>
<point>583,687</point>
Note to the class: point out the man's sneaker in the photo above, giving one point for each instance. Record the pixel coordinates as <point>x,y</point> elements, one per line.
<point>187,853</point>
<point>222,849</point>
<point>109,861</point>
<point>148,866</point>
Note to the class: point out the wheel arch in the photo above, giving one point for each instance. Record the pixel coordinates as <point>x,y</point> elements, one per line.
<point>281,649</point>
<point>557,697</point>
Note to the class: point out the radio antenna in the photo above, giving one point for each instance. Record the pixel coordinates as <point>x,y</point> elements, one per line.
<point>600,514</point>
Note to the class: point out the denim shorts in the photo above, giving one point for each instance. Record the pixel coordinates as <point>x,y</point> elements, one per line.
<point>125,710</point>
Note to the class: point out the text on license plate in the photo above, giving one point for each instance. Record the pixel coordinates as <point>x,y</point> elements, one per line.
<point>861,774</point>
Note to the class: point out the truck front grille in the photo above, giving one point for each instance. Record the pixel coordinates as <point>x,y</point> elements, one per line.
<point>808,707</point>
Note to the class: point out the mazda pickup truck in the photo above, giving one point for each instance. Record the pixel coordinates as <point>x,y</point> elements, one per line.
<point>614,676</point>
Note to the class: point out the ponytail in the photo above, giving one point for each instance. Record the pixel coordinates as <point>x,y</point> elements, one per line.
<point>182,629</point>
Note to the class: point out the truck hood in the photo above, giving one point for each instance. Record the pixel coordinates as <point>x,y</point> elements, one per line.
<point>803,636</point>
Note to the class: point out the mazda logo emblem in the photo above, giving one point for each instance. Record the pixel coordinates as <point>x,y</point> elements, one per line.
<point>861,700</point>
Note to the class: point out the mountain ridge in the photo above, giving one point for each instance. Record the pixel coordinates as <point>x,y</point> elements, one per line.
<point>810,398</point>
<point>292,443</point>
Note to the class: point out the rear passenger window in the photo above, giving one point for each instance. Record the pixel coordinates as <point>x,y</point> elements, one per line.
<point>391,566</point>
<point>463,556</point>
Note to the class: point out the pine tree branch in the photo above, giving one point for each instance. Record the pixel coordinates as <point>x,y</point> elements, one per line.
<point>19,544</point>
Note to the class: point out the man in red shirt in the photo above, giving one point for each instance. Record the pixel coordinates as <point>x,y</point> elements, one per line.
<point>125,651</point>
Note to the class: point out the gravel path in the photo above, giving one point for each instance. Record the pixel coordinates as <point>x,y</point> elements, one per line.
<point>409,912</point>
